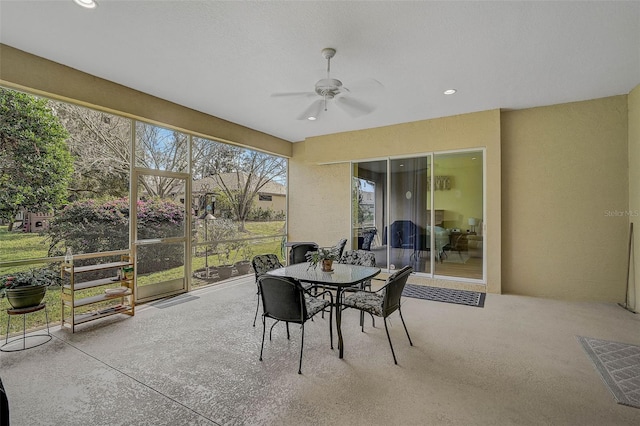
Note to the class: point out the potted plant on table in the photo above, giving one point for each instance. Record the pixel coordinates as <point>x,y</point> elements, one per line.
<point>323,256</point>
<point>27,289</point>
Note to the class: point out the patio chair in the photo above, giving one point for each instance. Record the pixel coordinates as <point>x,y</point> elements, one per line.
<point>298,252</point>
<point>4,406</point>
<point>339,247</point>
<point>263,263</point>
<point>362,258</point>
<point>284,299</point>
<point>382,303</point>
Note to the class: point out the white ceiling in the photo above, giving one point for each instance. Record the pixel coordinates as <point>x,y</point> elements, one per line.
<point>227,58</point>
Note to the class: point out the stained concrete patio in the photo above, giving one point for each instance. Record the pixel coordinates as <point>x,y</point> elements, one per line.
<point>193,360</point>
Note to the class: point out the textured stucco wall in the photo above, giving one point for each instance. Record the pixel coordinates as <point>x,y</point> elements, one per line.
<point>634,193</point>
<point>565,190</point>
<point>320,175</point>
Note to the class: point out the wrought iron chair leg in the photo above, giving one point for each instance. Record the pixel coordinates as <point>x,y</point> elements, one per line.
<point>264,329</point>
<point>390,344</point>
<point>405,326</point>
<point>331,325</point>
<point>271,329</point>
<point>301,348</point>
<point>288,335</point>
<point>255,317</point>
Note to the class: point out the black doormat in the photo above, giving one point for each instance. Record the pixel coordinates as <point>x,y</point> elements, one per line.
<point>447,295</point>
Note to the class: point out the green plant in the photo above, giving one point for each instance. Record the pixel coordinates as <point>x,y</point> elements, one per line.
<point>323,253</point>
<point>32,277</point>
<point>244,250</point>
<point>223,256</point>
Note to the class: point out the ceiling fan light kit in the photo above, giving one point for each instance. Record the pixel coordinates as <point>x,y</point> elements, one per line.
<point>331,89</point>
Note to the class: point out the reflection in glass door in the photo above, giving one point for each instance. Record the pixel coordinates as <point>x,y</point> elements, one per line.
<point>369,188</point>
<point>407,233</point>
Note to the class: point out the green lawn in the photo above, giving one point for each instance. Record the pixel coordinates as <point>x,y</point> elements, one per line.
<point>18,246</point>
<point>21,245</point>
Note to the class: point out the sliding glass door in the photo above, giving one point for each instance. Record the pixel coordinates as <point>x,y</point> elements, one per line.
<point>425,211</point>
<point>407,233</point>
<point>459,192</point>
<point>369,211</point>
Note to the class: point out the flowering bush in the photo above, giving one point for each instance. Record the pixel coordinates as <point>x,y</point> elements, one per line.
<point>98,225</point>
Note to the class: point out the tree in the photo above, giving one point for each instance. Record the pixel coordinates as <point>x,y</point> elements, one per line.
<point>101,145</point>
<point>252,170</point>
<point>35,163</point>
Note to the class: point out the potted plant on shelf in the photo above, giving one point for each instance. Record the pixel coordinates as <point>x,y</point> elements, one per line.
<point>323,256</point>
<point>27,289</point>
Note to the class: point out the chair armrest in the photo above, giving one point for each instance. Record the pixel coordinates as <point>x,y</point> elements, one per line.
<point>308,292</point>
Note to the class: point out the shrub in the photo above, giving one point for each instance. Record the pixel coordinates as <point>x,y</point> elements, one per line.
<point>93,226</point>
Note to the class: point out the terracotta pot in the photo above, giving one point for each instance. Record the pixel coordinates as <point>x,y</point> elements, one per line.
<point>25,297</point>
<point>327,265</point>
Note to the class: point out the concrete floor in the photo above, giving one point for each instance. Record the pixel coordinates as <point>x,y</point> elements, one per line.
<point>193,360</point>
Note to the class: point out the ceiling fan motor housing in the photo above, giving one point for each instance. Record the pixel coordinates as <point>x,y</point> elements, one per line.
<point>328,87</point>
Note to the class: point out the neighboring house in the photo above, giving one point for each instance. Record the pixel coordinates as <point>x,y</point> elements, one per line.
<point>32,222</point>
<point>271,196</point>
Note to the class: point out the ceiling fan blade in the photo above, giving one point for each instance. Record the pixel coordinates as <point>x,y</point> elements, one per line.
<point>313,110</point>
<point>354,107</point>
<point>284,94</point>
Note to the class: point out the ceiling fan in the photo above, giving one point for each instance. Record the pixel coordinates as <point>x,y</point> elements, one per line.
<point>332,89</point>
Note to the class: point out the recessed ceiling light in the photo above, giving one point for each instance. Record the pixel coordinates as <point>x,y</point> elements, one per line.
<point>89,4</point>
<point>450,91</point>
<point>311,118</point>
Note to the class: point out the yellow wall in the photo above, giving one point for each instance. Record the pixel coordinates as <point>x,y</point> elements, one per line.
<point>634,194</point>
<point>320,175</point>
<point>564,176</point>
<point>551,227</point>
<point>21,70</point>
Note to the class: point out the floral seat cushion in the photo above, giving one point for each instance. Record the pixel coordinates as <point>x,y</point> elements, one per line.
<point>315,305</point>
<point>359,257</point>
<point>365,301</point>
<point>264,263</point>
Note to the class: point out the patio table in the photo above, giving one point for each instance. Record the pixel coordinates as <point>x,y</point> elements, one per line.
<point>343,276</point>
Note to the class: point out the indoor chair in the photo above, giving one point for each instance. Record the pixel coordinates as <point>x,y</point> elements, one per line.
<point>383,302</point>
<point>284,299</point>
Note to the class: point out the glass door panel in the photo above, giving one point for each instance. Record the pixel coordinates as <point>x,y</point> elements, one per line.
<point>458,193</point>
<point>407,233</point>
<point>369,195</point>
